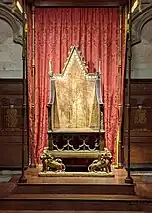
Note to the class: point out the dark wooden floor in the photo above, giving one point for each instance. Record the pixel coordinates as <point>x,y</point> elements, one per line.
<point>41,211</point>
<point>142,188</point>
<point>75,194</point>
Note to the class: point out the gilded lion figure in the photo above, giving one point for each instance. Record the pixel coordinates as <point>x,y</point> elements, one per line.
<point>50,163</point>
<point>103,163</point>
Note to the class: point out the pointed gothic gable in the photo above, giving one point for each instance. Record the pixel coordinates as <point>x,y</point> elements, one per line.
<point>75,56</point>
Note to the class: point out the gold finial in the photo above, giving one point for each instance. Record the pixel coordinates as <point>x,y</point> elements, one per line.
<point>50,68</point>
<point>99,68</point>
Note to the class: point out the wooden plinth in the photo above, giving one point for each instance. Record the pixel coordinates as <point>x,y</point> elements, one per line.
<point>75,174</point>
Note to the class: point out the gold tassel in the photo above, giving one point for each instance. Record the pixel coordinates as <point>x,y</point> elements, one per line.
<point>117,149</point>
<point>26,27</point>
<point>139,6</point>
<point>136,4</point>
<point>14,6</point>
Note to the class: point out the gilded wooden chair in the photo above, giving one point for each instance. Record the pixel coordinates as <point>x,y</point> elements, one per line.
<point>75,111</point>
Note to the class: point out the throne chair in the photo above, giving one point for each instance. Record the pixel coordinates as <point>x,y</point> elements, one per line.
<point>75,113</point>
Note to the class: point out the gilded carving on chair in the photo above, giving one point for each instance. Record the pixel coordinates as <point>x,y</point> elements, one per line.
<point>75,96</point>
<point>75,114</point>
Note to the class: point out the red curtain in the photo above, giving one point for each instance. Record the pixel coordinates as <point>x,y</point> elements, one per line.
<point>96,32</point>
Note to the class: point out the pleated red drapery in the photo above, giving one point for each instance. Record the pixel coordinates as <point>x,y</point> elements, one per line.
<point>96,32</point>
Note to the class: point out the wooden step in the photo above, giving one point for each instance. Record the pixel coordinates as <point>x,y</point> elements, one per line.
<point>73,197</point>
<point>45,188</point>
<point>6,189</point>
<point>32,211</point>
<point>75,202</point>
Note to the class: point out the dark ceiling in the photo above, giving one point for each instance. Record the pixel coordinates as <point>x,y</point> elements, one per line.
<point>80,3</point>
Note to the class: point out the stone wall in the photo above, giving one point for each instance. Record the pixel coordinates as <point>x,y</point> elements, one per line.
<point>142,42</point>
<point>142,54</point>
<point>141,91</point>
<point>10,44</point>
<point>11,89</point>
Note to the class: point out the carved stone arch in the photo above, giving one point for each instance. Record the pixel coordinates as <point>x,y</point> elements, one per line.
<point>12,20</point>
<point>139,21</point>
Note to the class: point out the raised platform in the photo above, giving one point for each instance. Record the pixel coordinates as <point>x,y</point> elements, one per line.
<point>75,174</point>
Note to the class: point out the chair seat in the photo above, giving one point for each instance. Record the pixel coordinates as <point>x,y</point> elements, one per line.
<point>75,130</point>
<point>76,154</point>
